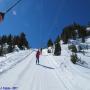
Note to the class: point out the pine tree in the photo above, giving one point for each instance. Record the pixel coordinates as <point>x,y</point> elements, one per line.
<point>10,39</point>
<point>16,40</point>
<point>10,48</point>
<point>9,42</point>
<point>57,39</point>
<point>4,39</point>
<point>23,41</point>
<point>1,50</point>
<point>57,49</point>
<point>65,39</point>
<point>50,43</point>
<point>69,32</point>
<point>0,40</point>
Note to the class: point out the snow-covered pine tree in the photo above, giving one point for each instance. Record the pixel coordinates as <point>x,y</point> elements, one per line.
<point>57,49</point>
<point>23,41</point>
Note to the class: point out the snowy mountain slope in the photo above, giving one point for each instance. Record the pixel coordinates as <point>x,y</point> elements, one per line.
<point>75,77</point>
<point>53,73</point>
<point>10,60</point>
<point>84,53</point>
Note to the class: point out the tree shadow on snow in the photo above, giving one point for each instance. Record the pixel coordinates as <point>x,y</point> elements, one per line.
<point>46,66</point>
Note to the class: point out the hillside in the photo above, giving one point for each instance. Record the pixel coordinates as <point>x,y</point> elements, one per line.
<point>19,71</point>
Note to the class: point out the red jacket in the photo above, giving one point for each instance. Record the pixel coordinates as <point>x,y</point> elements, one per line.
<point>38,54</point>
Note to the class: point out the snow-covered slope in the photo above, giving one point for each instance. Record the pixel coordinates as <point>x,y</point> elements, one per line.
<point>10,60</point>
<point>53,72</point>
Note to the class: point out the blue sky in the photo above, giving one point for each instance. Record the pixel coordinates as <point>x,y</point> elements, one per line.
<point>42,19</point>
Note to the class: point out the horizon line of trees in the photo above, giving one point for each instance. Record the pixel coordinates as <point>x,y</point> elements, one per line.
<point>74,31</point>
<point>8,43</point>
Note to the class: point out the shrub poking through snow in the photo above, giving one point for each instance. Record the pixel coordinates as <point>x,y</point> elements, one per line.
<point>74,58</point>
<point>72,48</point>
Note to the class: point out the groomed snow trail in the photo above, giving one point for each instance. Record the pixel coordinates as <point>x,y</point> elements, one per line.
<point>48,75</point>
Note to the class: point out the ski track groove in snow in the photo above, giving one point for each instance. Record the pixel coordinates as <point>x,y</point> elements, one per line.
<point>31,80</point>
<point>57,74</point>
<point>35,83</point>
<point>75,81</point>
<point>24,71</point>
<point>37,80</point>
<point>66,81</point>
<point>13,65</point>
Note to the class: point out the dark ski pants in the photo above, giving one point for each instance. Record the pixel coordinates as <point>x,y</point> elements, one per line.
<point>37,60</point>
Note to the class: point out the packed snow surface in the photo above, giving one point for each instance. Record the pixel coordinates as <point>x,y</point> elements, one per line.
<point>18,71</point>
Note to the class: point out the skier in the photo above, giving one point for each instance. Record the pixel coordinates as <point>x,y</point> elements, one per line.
<point>37,57</point>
